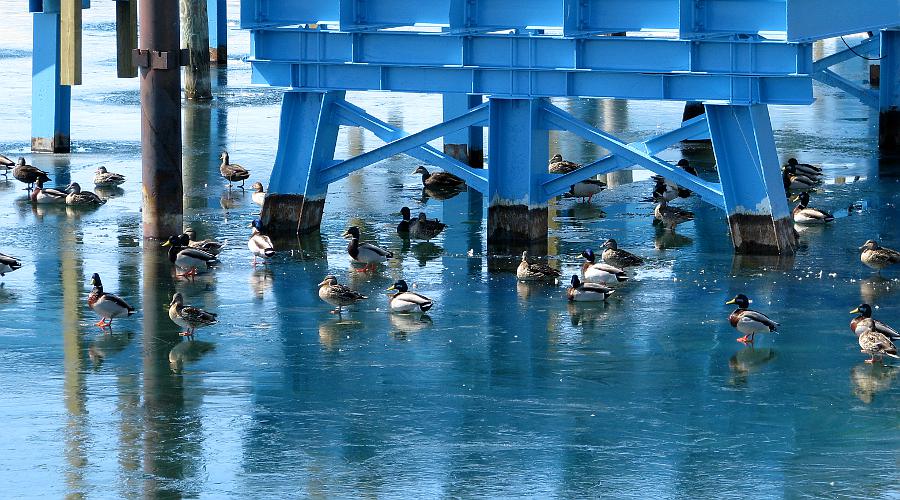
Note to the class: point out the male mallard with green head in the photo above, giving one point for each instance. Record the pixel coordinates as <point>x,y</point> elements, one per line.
<point>878,257</point>
<point>107,305</point>
<point>405,301</point>
<point>47,196</point>
<point>189,317</point>
<point>811,171</point>
<point>748,321</point>
<point>804,214</point>
<point>365,253</point>
<point>587,292</point>
<point>191,260</point>
<point>535,271</point>
<point>600,272</point>
<point>865,322</point>
<point>338,295</point>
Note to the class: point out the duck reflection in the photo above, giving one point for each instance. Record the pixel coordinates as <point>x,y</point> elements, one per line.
<point>425,251</point>
<point>582,211</point>
<point>664,239</point>
<point>405,324</point>
<point>874,288</point>
<point>587,314</point>
<point>106,345</point>
<point>440,194</point>
<point>869,379</point>
<point>107,192</point>
<point>261,281</point>
<point>188,351</point>
<point>743,264</point>
<point>231,199</point>
<point>333,332</point>
<point>747,361</point>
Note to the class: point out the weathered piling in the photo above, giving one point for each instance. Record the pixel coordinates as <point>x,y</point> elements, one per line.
<point>218,31</point>
<point>195,38</point>
<point>126,38</point>
<point>159,63</point>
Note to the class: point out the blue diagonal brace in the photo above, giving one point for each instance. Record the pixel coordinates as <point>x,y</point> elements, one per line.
<point>691,129</point>
<point>869,46</point>
<point>401,142</point>
<point>866,96</point>
<point>708,191</point>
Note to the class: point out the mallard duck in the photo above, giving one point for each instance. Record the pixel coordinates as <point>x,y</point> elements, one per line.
<point>365,253</point>
<point>747,321</point>
<point>28,174</point>
<point>802,214</point>
<point>8,264</point>
<point>536,271</point>
<point>865,322</point>
<point>559,166</point>
<point>586,189</point>
<point>47,196</point>
<point>667,188</point>
<point>663,190</point>
<point>439,180</point>
<point>107,305</point>
<point>670,216</point>
<point>420,228</point>
<point>587,292</point>
<point>876,345</point>
<point>189,239</point>
<point>599,272</point>
<point>405,301</point>
<point>338,295</point>
<point>811,171</point>
<point>77,197</point>
<point>612,254</point>
<point>189,317</point>
<point>878,257</point>
<point>793,181</point>
<point>259,244</point>
<point>259,193</point>
<point>6,165</point>
<point>232,172</point>
<point>190,260</point>
<point>105,178</point>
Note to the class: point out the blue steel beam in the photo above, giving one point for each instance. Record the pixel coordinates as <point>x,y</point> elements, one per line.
<point>342,169</point>
<point>526,83</point>
<point>813,20</point>
<point>218,30</point>
<point>866,96</point>
<point>348,114</point>
<point>50,101</point>
<point>515,52</point>
<point>557,184</point>
<point>708,191</point>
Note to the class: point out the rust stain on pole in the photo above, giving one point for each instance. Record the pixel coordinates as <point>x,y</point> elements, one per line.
<point>162,208</point>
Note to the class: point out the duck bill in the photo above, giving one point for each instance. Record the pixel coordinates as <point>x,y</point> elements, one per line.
<point>732,301</point>
<point>391,288</point>
<point>855,311</point>
<point>323,283</point>
<point>166,243</point>
<point>346,235</point>
<point>795,198</point>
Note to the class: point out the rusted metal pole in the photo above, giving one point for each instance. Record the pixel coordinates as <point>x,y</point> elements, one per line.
<point>159,60</point>
<point>195,38</point>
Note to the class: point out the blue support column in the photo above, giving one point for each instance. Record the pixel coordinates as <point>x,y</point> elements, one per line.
<point>50,101</point>
<point>217,13</point>
<point>757,208</point>
<point>517,165</point>
<point>306,140</point>
<point>889,93</point>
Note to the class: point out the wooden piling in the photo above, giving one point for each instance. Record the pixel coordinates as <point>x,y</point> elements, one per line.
<point>70,42</point>
<point>159,61</point>
<point>195,38</point>
<point>126,38</point>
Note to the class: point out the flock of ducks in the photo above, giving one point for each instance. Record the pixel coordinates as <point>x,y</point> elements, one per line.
<point>596,283</point>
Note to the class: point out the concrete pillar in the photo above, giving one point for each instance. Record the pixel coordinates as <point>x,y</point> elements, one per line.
<point>889,94</point>
<point>218,31</point>
<point>306,140</point>
<point>50,102</point>
<point>757,207</point>
<point>519,148</point>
